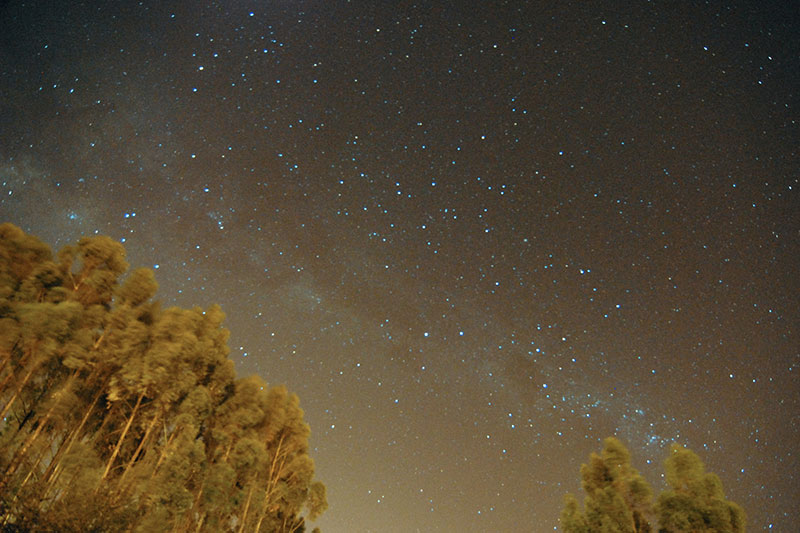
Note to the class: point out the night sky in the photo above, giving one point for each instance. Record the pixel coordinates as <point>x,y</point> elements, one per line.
<point>475,238</point>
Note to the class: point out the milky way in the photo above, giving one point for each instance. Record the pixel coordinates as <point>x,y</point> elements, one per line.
<point>475,238</point>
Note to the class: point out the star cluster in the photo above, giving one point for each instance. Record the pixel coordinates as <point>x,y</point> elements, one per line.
<point>476,239</point>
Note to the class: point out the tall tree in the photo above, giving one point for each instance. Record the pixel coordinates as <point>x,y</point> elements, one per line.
<point>618,499</point>
<point>118,416</point>
<point>695,501</point>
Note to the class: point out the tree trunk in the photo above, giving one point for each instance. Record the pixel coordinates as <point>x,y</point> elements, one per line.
<point>164,450</point>
<point>7,353</point>
<point>122,438</point>
<point>297,525</point>
<point>200,523</point>
<point>20,454</point>
<point>247,507</point>
<point>145,438</point>
<point>272,482</point>
<point>39,459</point>
<point>6,360</point>
<point>16,393</point>
<point>187,522</point>
<point>2,369</point>
<point>63,450</point>
<point>10,505</point>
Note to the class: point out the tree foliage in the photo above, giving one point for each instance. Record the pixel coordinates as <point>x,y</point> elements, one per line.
<point>695,500</point>
<point>619,500</point>
<point>116,415</point>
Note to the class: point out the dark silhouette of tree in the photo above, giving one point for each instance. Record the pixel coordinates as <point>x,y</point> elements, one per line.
<point>116,415</point>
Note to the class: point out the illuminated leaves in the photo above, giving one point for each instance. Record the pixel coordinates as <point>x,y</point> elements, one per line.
<point>117,415</point>
<point>619,500</point>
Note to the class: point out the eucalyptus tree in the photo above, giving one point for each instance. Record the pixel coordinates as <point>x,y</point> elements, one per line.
<point>695,500</point>
<point>116,415</point>
<point>618,499</point>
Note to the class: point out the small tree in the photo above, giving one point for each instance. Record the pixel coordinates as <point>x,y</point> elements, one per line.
<point>696,501</point>
<point>618,499</point>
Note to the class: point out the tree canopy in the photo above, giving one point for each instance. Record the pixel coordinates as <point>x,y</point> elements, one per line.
<point>695,500</point>
<point>619,500</point>
<point>118,415</point>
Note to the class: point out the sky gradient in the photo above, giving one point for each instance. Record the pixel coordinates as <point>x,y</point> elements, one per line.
<point>475,238</point>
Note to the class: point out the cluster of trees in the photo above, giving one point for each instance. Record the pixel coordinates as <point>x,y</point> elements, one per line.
<point>619,500</point>
<point>118,415</point>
